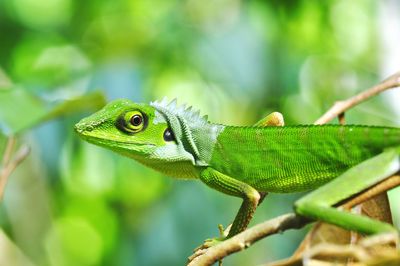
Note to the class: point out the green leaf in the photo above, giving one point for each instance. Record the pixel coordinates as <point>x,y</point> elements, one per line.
<point>87,102</point>
<point>14,254</point>
<point>20,110</point>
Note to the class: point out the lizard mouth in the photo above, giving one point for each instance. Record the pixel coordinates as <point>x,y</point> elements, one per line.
<point>112,142</point>
<point>106,141</point>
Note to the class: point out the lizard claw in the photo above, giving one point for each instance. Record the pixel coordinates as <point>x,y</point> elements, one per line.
<point>200,250</point>
<point>209,242</point>
<point>223,233</point>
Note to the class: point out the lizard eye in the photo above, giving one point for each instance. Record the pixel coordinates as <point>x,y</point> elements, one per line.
<point>132,122</point>
<point>136,120</point>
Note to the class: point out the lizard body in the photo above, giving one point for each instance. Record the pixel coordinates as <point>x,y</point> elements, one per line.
<point>248,161</point>
<point>296,158</point>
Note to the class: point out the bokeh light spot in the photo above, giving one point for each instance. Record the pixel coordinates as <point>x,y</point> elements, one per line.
<point>42,14</point>
<point>73,241</point>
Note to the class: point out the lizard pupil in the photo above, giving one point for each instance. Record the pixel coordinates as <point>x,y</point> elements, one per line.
<point>168,135</point>
<point>136,120</point>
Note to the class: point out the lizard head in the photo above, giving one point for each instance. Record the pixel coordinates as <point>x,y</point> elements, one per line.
<point>153,134</point>
<point>126,127</point>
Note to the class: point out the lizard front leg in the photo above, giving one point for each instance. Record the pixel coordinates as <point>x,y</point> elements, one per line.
<point>231,186</point>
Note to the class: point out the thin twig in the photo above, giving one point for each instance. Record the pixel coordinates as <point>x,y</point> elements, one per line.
<point>9,165</point>
<point>8,151</point>
<point>246,238</point>
<point>342,106</point>
<point>377,189</point>
<point>337,251</point>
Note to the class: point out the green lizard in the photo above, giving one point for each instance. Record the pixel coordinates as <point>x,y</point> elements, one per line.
<point>336,162</point>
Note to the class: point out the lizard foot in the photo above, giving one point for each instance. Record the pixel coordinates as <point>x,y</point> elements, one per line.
<point>200,250</point>
<point>209,242</point>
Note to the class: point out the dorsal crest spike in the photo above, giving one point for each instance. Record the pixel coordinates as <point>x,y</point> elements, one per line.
<point>164,100</point>
<point>181,109</point>
<point>173,103</point>
<point>182,112</point>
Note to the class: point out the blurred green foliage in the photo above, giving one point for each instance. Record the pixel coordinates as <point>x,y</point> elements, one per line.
<point>71,203</point>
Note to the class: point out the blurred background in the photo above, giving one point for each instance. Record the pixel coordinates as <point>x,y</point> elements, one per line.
<point>71,203</point>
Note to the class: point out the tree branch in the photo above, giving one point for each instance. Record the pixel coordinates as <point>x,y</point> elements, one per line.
<point>246,238</point>
<point>341,106</point>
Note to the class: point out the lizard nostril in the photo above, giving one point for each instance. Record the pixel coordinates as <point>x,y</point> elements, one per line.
<point>77,128</point>
<point>80,128</point>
